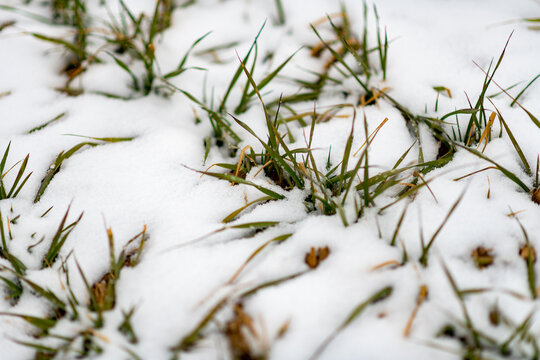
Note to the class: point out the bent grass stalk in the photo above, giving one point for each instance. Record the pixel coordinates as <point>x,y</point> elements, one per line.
<point>357,311</point>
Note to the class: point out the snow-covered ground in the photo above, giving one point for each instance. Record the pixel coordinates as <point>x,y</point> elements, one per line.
<point>475,295</point>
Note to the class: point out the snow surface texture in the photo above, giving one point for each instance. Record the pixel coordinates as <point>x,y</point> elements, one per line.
<point>149,181</point>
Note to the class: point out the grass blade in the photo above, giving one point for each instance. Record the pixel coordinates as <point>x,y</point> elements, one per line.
<point>425,250</point>
<point>514,142</point>
<point>239,180</point>
<point>522,91</point>
<point>235,213</point>
<point>378,296</point>
<point>506,172</point>
<point>277,239</point>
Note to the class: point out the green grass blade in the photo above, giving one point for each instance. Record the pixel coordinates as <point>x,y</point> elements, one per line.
<point>459,295</point>
<point>460,111</point>
<point>46,293</point>
<point>126,68</point>
<point>277,239</point>
<point>42,126</point>
<point>4,159</point>
<point>359,309</point>
<point>180,68</point>
<point>195,335</point>
<point>43,324</point>
<point>522,91</point>
<point>73,48</point>
<point>239,180</point>
<point>342,61</point>
<point>235,213</point>
<point>274,155</point>
<point>242,106</point>
<point>22,168</point>
<point>425,250</point>
<point>506,172</point>
<point>105,139</point>
<point>254,225</point>
<point>271,283</point>
<point>514,143</point>
<point>239,71</point>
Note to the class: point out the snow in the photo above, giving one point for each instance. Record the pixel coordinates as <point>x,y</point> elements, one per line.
<point>150,181</point>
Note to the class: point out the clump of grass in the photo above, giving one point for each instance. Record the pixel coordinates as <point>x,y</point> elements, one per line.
<point>348,56</point>
<point>190,340</point>
<point>358,48</point>
<point>74,14</point>
<point>486,136</point>
<point>478,344</point>
<point>241,333</point>
<point>126,328</point>
<point>328,190</point>
<point>11,191</point>
<point>84,342</point>
<point>536,196</point>
<point>59,239</point>
<point>218,115</point>
<point>58,308</point>
<point>478,119</point>
<point>135,39</point>
<point>103,292</point>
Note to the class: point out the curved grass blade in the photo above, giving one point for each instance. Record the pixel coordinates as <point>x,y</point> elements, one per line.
<point>272,283</point>
<point>62,156</point>
<point>425,249</point>
<point>506,172</point>
<point>195,335</point>
<point>378,296</point>
<point>239,180</point>
<point>242,107</point>
<point>42,126</point>
<point>460,111</point>
<point>180,68</point>
<point>44,324</point>
<point>514,142</point>
<point>59,239</point>
<point>257,225</point>
<point>522,91</point>
<point>235,213</point>
<point>60,306</point>
<point>342,61</point>
<point>277,239</point>
<point>239,71</point>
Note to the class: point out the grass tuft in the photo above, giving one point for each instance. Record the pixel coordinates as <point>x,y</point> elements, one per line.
<point>11,191</point>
